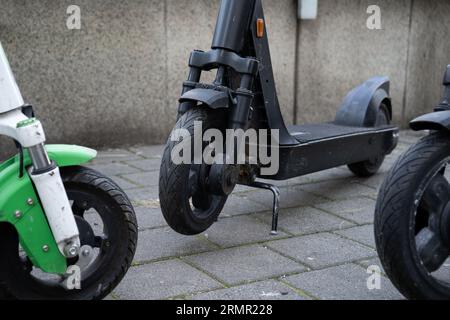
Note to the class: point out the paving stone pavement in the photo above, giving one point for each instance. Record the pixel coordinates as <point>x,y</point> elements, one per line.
<point>322,251</point>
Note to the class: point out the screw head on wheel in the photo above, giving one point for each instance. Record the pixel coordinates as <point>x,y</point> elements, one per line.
<point>71,250</point>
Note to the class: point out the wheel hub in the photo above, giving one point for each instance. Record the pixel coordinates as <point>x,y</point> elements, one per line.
<point>432,241</point>
<point>222,179</point>
<point>87,236</point>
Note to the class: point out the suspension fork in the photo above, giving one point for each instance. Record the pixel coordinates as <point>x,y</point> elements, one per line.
<point>49,185</point>
<point>47,180</point>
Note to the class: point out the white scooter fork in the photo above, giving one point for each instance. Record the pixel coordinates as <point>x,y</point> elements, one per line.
<point>49,185</point>
<point>44,173</point>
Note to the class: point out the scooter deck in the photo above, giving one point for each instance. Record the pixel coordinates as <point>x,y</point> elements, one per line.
<point>328,145</point>
<point>313,132</point>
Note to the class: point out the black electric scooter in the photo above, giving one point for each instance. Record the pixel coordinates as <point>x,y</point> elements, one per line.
<point>243,96</point>
<point>412,217</point>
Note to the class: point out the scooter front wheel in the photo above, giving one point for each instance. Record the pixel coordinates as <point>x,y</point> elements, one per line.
<point>185,203</point>
<point>412,220</point>
<point>106,223</point>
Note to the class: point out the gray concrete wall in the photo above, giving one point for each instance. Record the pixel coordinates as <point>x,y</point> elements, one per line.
<point>429,53</point>
<point>338,51</point>
<point>116,81</point>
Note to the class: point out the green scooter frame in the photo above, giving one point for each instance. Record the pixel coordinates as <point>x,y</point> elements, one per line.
<point>20,206</point>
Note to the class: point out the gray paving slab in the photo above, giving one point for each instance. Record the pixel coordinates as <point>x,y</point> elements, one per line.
<point>376,181</point>
<point>339,189</point>
<point>114,155</point>
<point>263,290</point>
<point>243,264</point>
<point>374,262</point>
<point>239,230</point>
<point>237,205</point>
<point>359,210</point>
<point>113,168</point>
<point>143,179</point>
<point>164,242</point>
<point>149,217</point>
<point>344,282</point>
<point>305,220</point>
<point>322,249</point>
<point>155,151</point>
<point>361,234</point>
<point>143,196</point>
<point>163,280</point>
<point>146,164</point>
<point>124,184</point>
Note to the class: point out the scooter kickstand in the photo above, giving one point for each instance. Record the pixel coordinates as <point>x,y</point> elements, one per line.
<point>276,203</point>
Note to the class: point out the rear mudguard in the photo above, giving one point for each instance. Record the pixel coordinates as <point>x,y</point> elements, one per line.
<point>214,99</point>
<point>360,107</point>
<point>432,121</point>
<point>20,206</point>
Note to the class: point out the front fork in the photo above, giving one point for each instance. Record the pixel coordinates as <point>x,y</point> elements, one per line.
<point>46,179</point>
<point>50,188</point>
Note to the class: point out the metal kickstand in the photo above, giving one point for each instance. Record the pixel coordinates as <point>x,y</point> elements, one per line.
<point>276,202</point>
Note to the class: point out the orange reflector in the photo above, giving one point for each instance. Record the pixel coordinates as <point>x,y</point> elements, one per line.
<point>260,28</point>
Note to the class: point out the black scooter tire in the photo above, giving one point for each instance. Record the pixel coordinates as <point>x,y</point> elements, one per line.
<point>394,215</point>
<point>116,256</point>
<point>370,167</point>
<point>174,179</point>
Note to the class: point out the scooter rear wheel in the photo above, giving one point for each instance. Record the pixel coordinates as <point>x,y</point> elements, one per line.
<point>371,166</point>
<point>187,207</point>
<point>106,222</point>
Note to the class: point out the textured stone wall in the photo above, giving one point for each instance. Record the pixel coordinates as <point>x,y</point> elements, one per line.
<point>337,51</point>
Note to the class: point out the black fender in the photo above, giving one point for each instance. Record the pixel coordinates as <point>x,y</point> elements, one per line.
<point>361,105</point>
<point>432,121</point>
<point>214,99</point>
